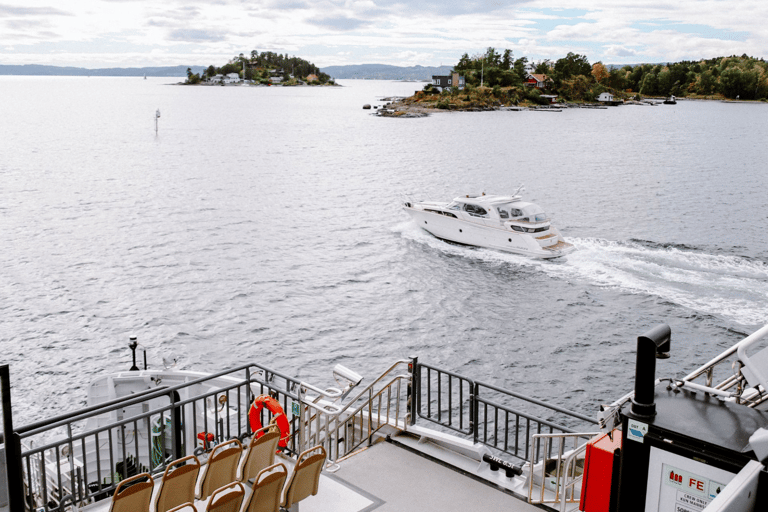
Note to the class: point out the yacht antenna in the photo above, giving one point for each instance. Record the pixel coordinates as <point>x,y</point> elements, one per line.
<point>519,189</point>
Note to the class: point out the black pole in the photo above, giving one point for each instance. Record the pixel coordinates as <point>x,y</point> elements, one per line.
<point>650,346</point>
<point>178,432</point>
<point>132,345</point>
<point>413,390</point>
<point>12,446</point>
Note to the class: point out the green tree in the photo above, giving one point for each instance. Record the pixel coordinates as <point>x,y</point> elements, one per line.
<point>519,68</point>
<point>492,58</point>
<point>649,85</point>
<point>542,67</point>
<point>506,60</point>
<point>572,64</point>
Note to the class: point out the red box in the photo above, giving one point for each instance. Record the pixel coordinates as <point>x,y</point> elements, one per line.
<point>600,462</point>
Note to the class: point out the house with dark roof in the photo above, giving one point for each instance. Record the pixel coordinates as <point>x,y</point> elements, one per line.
<point>447,82</point>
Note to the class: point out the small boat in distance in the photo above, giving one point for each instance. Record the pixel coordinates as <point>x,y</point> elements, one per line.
<point>503,223</point>
<point>670,101</point>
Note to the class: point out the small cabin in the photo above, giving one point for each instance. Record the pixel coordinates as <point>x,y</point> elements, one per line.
<point>605,97</point>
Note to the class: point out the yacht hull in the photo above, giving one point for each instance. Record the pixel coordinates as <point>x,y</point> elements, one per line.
<point>476,234</point>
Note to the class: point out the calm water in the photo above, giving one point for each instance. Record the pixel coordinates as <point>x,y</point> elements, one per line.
<point>265,224</point>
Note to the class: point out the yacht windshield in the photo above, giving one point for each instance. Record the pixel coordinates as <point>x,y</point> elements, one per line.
<point>535,213</point>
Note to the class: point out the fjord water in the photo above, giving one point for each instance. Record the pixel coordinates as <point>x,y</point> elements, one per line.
<point>265,224</point>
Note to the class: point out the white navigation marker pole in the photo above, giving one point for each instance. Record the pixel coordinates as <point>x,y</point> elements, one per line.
<point>157,116</point>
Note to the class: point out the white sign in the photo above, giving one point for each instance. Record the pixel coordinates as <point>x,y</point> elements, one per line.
<point>637,430</point>
<point>694,492</point>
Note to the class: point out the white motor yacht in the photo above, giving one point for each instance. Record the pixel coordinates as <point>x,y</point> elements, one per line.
<point>503,223</point>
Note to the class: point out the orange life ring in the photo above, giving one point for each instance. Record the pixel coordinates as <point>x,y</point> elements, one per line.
<point>254,417</point>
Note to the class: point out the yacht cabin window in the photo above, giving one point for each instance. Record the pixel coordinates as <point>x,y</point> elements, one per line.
<point>503,213</point>
<point>473,209</point>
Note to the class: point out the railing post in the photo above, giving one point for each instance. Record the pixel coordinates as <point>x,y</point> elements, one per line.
<point>12,443</point>
<point>413,391</point>
<point>178,433</point>
<point>474,411</point>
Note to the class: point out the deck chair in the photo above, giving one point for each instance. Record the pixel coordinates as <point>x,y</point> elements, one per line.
<point>221,468</point>
<point>133,494</point>
<point>184,507</point>
<point>260,453</point>
<point>267,488</point>
<point>178,484</point>
<point>227,498</point>
<point>305,479</point>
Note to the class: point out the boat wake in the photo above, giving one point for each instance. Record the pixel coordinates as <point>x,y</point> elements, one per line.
<point>729,286</point>
<point>725,286</point>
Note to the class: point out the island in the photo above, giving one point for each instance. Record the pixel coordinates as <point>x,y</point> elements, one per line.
<point>495,80</point>
<point>265,68</point>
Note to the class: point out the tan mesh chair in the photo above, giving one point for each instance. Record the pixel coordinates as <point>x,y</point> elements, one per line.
<point>178,484</point>
<point>133,494</point>
<point>221,468</point>
<point>260,453</point>
<point>184,507</point>
<point>305,479</point>
<point>267,488</point>
<point>227,498</point>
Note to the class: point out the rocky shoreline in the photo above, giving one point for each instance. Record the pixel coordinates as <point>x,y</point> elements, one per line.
<point>401,107</point>
<point>410,107</point>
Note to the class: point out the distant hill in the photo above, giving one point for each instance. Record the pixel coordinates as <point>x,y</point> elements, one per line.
<point>39,69</point>
<point>386,72</point>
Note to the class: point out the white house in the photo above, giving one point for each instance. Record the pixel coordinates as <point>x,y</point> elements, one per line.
<point>605,96</point>
<point>231,78</point>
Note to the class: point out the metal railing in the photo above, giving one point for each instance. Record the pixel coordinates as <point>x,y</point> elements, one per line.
<point>736,373</point>
<point>485,412</point>
<point>100,446</point>
<point>557,475</point>
<point>344,428</point>
<point>81,457</point>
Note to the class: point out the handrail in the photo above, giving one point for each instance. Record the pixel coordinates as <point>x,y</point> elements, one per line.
<point>539,402</point>
<point>526,415</point>
<point>565,466</point>
<point>71,417</point>
<point>79,412</point>
<point>727,353</point>
<point>162,391</point>
<point>351,401</point>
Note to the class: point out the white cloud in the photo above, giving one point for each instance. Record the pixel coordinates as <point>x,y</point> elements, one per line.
<point>394,32</point>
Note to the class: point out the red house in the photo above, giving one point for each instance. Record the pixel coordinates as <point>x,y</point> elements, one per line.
<point>538,80</point>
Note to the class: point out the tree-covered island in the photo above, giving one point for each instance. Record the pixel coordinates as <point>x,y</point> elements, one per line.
<point>492,80</point>
<point>265,68</point>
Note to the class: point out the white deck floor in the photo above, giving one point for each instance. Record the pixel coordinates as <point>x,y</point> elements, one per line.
<point>395,479</point>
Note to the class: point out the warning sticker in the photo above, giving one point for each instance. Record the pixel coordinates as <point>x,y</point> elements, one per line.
<point>636,430</point>
<point>694,492</point>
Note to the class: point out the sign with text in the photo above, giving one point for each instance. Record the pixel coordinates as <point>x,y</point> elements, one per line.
<point>693,492</point>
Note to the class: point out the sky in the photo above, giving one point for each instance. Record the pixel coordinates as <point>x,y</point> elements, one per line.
<point>140,33</point>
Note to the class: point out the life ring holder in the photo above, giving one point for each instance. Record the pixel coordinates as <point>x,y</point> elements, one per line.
<point>279,417</point>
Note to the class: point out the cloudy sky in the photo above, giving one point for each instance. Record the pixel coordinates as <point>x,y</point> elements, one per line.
<point>137,33</point>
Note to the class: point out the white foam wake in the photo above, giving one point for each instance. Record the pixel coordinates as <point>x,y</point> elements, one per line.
<point>725,286</point>
<point>721,285</point>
